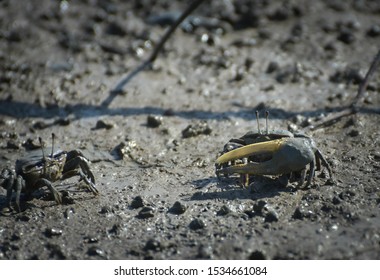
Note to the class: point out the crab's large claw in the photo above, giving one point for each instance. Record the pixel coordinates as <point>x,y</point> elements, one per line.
<point>287,155</point>
<point>250,150</point>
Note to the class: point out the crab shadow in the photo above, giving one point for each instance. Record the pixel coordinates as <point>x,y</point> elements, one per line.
<point>230,189</point>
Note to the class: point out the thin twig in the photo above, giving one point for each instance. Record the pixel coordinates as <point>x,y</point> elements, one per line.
<point>172,28</point>
<point>363,86</point>
<point>145,64</point>
<point>353,107</point>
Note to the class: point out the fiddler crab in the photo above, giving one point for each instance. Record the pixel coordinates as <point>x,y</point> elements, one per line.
<point>33,172</point>
<point>273,152</point>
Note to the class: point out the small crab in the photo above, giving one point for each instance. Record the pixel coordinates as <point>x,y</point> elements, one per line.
<point>275,152</point>
<point>33,172</point>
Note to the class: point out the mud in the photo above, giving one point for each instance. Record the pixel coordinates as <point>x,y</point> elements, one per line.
<point>153,136</point>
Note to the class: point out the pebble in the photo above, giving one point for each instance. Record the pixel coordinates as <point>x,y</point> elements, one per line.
<point>259,206</point>
<point>96,251</point>
<point>271,215</point>
<point>301,213</point>
<point>105,210</point>
<point>154,121</point>
<point>197,224</point>
<point>101,124</point>
<point>178,208</point>
<point>146,212</point>
<point>347,195</point>
<point>50,232</point>
<point>68,214</point>
<point>257,255</point>
<point>346,36</point>
<point>224,210</point>
<point>153,245</point>
<point>272,66</point>
<point>205,252</point>
<point>353,133</point>
<point>137,202</point>
<point>115,28</point>
<point>374,31</point>
<point>196,129</point>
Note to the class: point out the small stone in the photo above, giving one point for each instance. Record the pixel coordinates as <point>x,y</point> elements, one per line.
<point>67,197</point>
<point>68,214</point>
<point>346,36</point>
<point>95,251</point>
<point>50,232</point>
<point>197,224</point>
<point>91,239</point>
<point>137,202</point>
<point>224,210</point>
<point>301,213</point>
<point>178,208</point>
<point>298,214</point>
<point>154,121</point>
<point>259,206</point>
<point>347,195</point>
<point>273,66</point>
<point>336,200</point>
<point>354,133</point>
<point>105,210</point>
<point>205,252</point>
<point>116,28</point>
<point>11,144</point>
<point>100,124</point>
<point>376,156</point>
<point>271,216</point>
<point>153,245</point>
<point>257,255</point>
<point>374,31</point>
<point>196,129</point>
<point>146,212</point>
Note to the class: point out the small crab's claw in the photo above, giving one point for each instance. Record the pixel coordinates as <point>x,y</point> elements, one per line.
<point>288,155</point>
<point>77,164</point>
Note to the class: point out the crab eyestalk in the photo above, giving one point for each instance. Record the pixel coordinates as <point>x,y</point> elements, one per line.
<point>266,121</point>
<point>52,145</point>
<point>42,148</point>
<point>258,122</point>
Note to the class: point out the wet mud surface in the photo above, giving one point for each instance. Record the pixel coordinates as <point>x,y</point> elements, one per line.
<point>153,144</point>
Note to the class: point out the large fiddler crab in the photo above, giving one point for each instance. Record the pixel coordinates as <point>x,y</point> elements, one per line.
<point>273,152</point>
<point>33,172</point>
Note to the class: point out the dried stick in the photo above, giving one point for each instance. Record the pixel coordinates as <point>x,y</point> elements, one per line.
<point>172,28</point>
<point>363,86</point>
<point>119,87</point>
<point>353,107</point>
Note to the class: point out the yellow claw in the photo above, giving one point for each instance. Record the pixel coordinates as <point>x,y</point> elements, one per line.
<point>252,149</point>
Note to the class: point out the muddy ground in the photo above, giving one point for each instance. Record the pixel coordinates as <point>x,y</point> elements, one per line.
<point>153,138</point>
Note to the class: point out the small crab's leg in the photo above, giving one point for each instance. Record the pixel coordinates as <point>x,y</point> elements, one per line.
<point>311,174</point>
<point>42,183</point>
<point>19,184</point>
<point>319,155</point>
<point>302,178</point>
<point>9,186</point>
<point>252,149</point>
